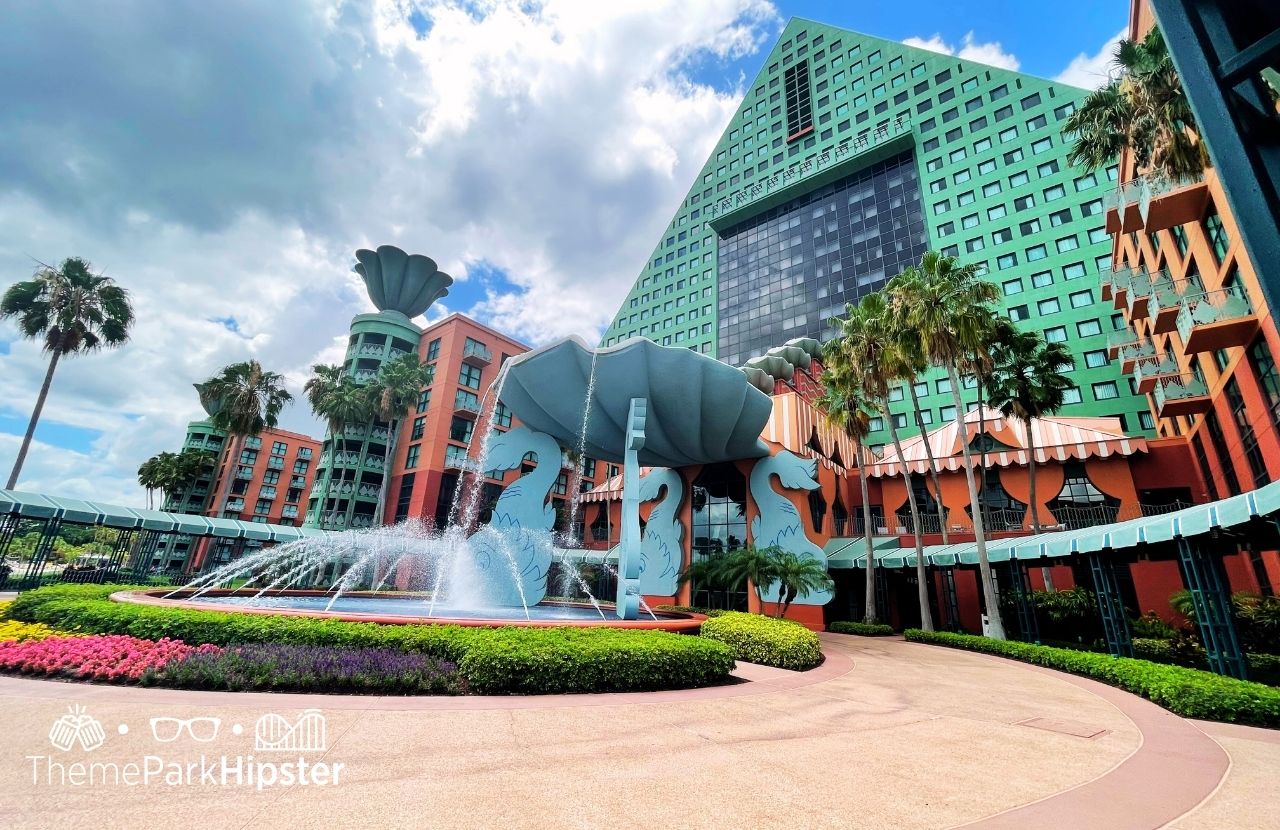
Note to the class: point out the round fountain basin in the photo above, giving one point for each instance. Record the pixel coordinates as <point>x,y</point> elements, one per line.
<point>402,609</point>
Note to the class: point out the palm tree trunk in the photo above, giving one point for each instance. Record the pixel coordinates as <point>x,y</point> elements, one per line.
<point>995,626</point>
<point>380,511</point>
<point>35,417</point>
<point>922,584</point>
<point>933,467</point>
<point>869,615</point>
<point>982,433</point>
<point>1045,573</point>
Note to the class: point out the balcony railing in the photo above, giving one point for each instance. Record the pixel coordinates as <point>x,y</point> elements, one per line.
<point>289,511</point>
<point>1148,370</point>
<point>476,354</point>
<point>364,375</point>
<point>267,492</point>
<point>353,431</point>
<point>379,434</point>
<point>275,462</point>
<point>236,505</point>
<point>466,407</point>
<point>1139,296</point>
<point>374,462</point>
<point>1128,348</point>
<point>304,453</point>
<point>1121,280</point>
<point>1166,301</point>
<point>1165,201</point>
<point>244,473</point>
<point>371,350</point>
<point>1184,395</point>
<point>298,481</point>
<point>1216,320</point>
<point>1121,207</point>
<point>368,491</point>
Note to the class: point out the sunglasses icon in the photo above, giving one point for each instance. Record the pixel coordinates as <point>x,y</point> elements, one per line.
<point>167,730</point>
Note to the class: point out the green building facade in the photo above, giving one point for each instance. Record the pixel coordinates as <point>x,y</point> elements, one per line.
<point>849,157</point>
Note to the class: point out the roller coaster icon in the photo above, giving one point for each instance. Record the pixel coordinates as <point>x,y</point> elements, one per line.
<point>275,733</point>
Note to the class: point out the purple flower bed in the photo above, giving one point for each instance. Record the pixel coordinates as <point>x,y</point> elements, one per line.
<point>294,668</point>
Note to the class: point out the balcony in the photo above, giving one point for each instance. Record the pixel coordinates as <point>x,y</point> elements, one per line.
<point>267,492</point>
<point>289,511</point>
<point>1216,320</point>
<point>374,462</point>
<point>1127,347</point>
<point>359,522</point>
<point>244,473</point>
<point>1166,301</point>
<point>1149,370</point>
<point>275,462</point>
<point>370,350</point>
<point>1184,395</point>
<point>1121,279</point>
<point>368,491</point>
<point>304,453</point>
<point>476,354</point>
<point>1165,202</point>
<point>298,481</point>
<point>1121,207</point>
<point>455,458</point>
<point>253,442</point>
<point>364,375</point>
<point>356,432</point>
<point>379,434</point>
<point>235,505</point>
<point>1138,297</point>
<point>467,407</point>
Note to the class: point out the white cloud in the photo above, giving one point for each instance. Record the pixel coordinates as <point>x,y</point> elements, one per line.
<point>1091,71</point>
<point>222,161</point>
<point>992,53</point>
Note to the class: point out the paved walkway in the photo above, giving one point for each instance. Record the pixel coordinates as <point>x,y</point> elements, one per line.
<point>886,734</point>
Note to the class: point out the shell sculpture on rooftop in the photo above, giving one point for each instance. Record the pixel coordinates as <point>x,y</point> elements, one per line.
<point>401,283</point>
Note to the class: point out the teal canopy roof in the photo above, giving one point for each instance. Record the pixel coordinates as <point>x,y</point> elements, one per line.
<point>1197,520</point>
<point>43,506</point>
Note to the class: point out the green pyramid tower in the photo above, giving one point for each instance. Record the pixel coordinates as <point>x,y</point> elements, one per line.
<point>848,158</point>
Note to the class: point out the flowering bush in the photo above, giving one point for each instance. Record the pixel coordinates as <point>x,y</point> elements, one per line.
<point>4,609</point>
<point>13,631</point>
<point>97,657</point>
<point>273,667</point>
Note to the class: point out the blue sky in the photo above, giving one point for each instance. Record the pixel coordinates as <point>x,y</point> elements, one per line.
<point>223,161</point>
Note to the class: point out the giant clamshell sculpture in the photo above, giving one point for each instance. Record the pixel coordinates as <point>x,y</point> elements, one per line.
<point>401,283</point>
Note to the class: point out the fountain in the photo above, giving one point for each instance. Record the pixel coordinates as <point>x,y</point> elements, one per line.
<point>634,404</point>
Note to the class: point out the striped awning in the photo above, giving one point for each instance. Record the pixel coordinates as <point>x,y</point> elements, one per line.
<point>1056,439</point>
<point>610,490</point>
<point>801,428</point>
<point>1197,520</point>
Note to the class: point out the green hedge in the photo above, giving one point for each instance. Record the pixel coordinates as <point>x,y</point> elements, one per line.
<point>493,660</point>
<point>861,629</point>
<point>691,609</point>
<point>1188,692</point>
<point>765,640</point>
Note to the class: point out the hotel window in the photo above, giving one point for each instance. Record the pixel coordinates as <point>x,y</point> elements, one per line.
<point>1074,271</point>
<point>1041,278</point>
<point>279,448</point>
<point>460,429</point>
<point>1091,208</point>
<point>1008,135</point>
<point>1202,459</point>
<point>966,198</point>
<point>1180,239</point>
<point>1011,287</point>
<point>1088,328</point>
<point>1096,359</point>
<point>947,413</point>
<point>411,457</point>
<point>875,424</point>
<point>975,244</point>
<point>1041,146</point>
<point>996,212</point>
<point>1214,428</point>
<point>1248,438</point>
<point>1217,233</point>
<point>1080,299</point>
<point>1067,243</point>
<point>1054,193</point>
<point>970,221</point>
<point>1003,113</point>
<point>263,507</point>
<point>1018,313</point>
<point>1019,179</point>
<point>300,467</point>
<point>1071,395</point>
<point>1056,334</point>
<point>469,376</point>
<point>271,477</point>
<point>942,207</point>
<point>1029,227</point>
<point>986,167</point>
<point>1100,235</point>
<point>896,394</point>
<point>1264,368</point>
<point>1036,123</point>
<point>1006,261</point>
<point>433,349</point>
<point>799,106</point>
<point>1049,306</point>
<point>991,189</point>
<point>1036,252</point>
<point>1146,421</point>
<point>942,386</point>
<point>946,229</point>
<point>1105,390</point>
<point>1024,202</point>
<point>1002,236</point>
<point>248,457</point>
<point>899,420</point>
<point>419,426</point>
<point>1047,169</point>
<point>982,145</point>
<point>424,400</point>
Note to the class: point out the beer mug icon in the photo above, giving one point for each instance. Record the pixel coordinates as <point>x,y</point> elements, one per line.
<point>77,726</point>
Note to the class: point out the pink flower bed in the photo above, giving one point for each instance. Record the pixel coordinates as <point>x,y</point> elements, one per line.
<point>98,657</point>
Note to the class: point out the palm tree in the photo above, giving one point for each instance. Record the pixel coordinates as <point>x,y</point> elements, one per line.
<point>151,475</point>
<point>749,564</point>
<point>1026,383</point>
<point>183,471</point>
<point>869,341</point>
<point>915,364</point>
<point>74,311</point>
<point>392,392</point>
<point>999,334</point>
<point>948,307</point>
<point>705,573</point>
<point>249,400</point>
<point>844,404</point>
<point>341,402</point>
<point>797,576</point>
<point>1144,110</point>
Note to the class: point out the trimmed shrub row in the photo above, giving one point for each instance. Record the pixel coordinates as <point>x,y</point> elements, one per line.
<point>691,609</point>
<point>861,629</point>
<point>765,640</point>
<point>1190,693</point>
<point>490,660</point>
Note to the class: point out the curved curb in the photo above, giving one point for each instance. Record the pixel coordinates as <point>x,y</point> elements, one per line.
<point>755,680</point>
<point>1173,771</point>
